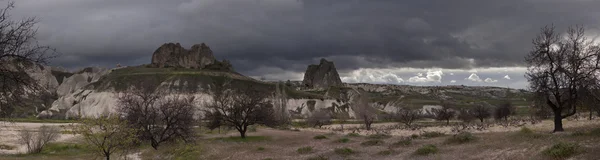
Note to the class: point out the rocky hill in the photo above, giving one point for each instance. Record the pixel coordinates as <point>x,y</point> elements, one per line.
<point>174,55</point>
<point>94,91</point>
<point>321,76</point>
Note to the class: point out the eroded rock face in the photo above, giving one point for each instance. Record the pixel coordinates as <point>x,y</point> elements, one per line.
<point>80,79</point>
<point>321,76</point>
<point>173,55</point>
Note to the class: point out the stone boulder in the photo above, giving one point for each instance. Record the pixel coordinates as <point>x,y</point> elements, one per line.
<point>321,76</point>
<point>81,79</point>
<point>173,55</point>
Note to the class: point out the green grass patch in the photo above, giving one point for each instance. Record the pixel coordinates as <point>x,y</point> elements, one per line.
<point>305,150</point>
<point>427,150</point>
<point>66,149</point>
<point>320,137</point>
<point>379,136</point>
<point>432,134</point>
<point>561,150</point>
<point>402,142</point>
<point>247,139</point>
<point>342,140</point>
<point>375,142</point>
<point>463,137</point>
<point>344,151</point>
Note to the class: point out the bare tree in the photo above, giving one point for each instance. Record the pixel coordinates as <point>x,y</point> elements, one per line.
<point>407,116</point>
<point>240,107</point>
<point>443,114</point>
<point>20,52</point>
<point>363,110</point>
<point>107,135</point>
<point>36,141</point>
<point>465,115</point>
<point>559,67</point>
<point>157,116</point>
<point>504,110</point>
<point>342,118</point>
<point>319,118</point>
<point>481,112</point>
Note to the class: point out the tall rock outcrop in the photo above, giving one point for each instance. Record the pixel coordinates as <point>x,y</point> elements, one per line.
<point>173,55</point>
<point>321,76</point>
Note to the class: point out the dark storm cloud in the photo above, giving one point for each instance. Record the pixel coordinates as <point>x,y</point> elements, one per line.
<point>290,34</point>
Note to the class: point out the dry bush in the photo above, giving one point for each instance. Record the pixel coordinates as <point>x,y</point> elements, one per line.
<point>36,141</point>
<point>319,118</point>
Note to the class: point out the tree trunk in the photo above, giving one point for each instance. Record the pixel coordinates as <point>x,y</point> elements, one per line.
<point>591,114</point>
<point>242,131</point>
<point>447,121</point>
<point>368,125</point>
<point>154,144</point>
<point>481,119</point>
<point>107,155</point>
<point>558,121</point>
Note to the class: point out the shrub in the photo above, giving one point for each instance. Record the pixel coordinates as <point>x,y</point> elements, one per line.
<point>305,150</point>
<point>320,137</point>
<point>595,132</point>
<point>353,135</point>
<point>6,147</point>
<point>561,150</point>
<point>344,151</point>
<point>385,153</point>
<point>403,142</point>
<point>36,141</point>
<point>426,150</point>
<point>379,136</point>
<point>260,148</point>
<point>432,134</point>
<point>343,140</point>
<point>372,143</point>
<point>525,130</point>
<point>319,157</point>
<point>414,136</point>
<point>463,137</point>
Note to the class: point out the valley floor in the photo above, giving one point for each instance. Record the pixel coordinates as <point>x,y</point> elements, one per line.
<point>267,143</point>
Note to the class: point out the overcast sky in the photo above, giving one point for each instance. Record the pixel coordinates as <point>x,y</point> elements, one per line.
<point>417,42</point>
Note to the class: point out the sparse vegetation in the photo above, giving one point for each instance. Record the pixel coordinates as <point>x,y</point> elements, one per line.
<point>402,142</point>
<point>375,142</point>
<point>460,138</point>
<point>352,135</point>
<point>247,139</point>
<point>36,141</point>
<point>379,136</point>
<point>320,137</point>
<point>342,140</point>
<point>319,157</point>
<point>385,152</point>
<point>561,150</point>
<point>432,134</point>
<point>344,151</point>
<point>107,135</point>
<point>260,148</point>
<point>305,150</point>
<point>427,150</point>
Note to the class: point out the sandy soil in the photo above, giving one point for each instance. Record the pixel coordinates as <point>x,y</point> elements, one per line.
<point>9,131</point>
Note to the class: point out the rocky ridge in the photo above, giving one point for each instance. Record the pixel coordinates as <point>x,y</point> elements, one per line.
<point>321,76</point>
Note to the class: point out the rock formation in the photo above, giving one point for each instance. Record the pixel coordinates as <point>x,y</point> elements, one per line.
<point>321,76</point>
<point>173,55</point>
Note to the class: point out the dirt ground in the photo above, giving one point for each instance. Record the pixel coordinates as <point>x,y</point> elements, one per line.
<point>497,142</point>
